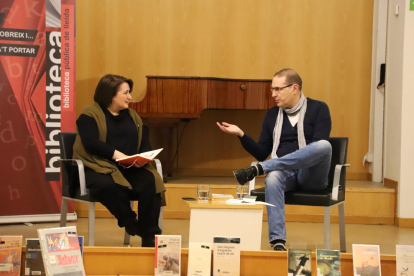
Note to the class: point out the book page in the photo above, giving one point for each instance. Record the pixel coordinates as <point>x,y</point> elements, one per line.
<point>141,157</point>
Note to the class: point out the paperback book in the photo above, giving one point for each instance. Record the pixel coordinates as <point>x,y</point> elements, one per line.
<point>405,260</point>
<point>141,157</point>
<point>199,259</point>
<point>34,262</point>
<point>80,239</point>
<point>299,262</point>
<point>61,252</point>
<point>167,255</point>
<point>366,259</point>
<point>328,263</point>
<point>10,255</point>
<point>226,256</point>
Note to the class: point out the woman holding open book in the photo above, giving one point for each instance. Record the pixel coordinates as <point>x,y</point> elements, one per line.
<point>109,130</point>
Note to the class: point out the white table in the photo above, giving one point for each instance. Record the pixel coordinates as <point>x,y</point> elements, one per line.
<point>218,219</point>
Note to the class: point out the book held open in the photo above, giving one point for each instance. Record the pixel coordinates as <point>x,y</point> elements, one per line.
<point>140,157</point>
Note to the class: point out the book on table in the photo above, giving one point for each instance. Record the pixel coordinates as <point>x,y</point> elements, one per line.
<point>34,261</point>
<point>366,259</point>
<point>328,262</point>
<point>61,252</point>
<point>10,255</point>
<point>199,259</point>
<point>167,255</point>
<point>140,157</point>
<point>299,262</point>
<point>226,256</point>
<point>405,260</point>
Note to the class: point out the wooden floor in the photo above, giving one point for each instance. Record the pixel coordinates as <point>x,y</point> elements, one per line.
<point>309,234</point>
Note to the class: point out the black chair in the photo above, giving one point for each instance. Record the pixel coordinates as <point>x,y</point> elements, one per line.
<point>333,195</point>
<point>74,186</point>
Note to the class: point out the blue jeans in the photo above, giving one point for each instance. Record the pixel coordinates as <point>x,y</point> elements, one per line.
<point>304,169</point>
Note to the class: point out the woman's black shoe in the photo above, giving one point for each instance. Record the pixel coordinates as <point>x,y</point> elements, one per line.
<point>148,241</point>
<point>132,228</point>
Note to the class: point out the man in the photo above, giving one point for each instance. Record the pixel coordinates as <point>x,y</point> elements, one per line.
<point>295,133</point>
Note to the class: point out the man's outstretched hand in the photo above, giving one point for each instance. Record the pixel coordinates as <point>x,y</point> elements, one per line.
<point>231,129</point>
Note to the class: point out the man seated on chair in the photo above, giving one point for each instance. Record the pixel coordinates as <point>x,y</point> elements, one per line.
<point>295,132</point>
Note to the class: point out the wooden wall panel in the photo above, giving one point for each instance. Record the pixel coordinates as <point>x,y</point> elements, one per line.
<point>327,42</point>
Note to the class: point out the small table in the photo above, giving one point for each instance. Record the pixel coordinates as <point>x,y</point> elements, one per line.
<point>219,219</point>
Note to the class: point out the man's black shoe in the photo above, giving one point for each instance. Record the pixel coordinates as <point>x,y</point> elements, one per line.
<point>279,247</point>
<point>246,174</point>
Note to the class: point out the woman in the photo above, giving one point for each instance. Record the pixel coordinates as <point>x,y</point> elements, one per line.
<point>109,130</point>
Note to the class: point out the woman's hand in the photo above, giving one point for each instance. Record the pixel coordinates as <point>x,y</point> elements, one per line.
<point>118,155</point>
<point>139,164</point>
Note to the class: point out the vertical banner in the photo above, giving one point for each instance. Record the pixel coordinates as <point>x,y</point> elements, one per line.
<point>31,108</point>
<point>68,65</point>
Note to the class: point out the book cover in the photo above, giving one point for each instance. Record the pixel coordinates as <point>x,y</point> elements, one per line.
<point>405,260</point>
<point>61,251</point>
<point>366,259</point>
<point>199,259</point>
<point>141,157</point>
<point>167,255</point>
<point>299,262</point>
<point>10,255</point>
<point>80,239</point>
<point>226,256</point>
<point>34,262</point>
<point>328,263</point>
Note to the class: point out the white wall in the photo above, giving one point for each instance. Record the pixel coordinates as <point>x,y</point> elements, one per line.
<point>399,109</point>
<point>393,91</point>
<point>406,191</point>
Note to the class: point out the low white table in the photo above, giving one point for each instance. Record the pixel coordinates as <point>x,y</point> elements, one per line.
<point>218,219</point>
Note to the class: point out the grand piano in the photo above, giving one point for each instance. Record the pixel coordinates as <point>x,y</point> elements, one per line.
<point>169,100</point>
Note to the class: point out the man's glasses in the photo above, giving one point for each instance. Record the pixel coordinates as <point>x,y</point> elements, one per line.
<point>278,89</point>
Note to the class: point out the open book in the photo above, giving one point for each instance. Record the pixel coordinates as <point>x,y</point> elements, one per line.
<point>141,157</point>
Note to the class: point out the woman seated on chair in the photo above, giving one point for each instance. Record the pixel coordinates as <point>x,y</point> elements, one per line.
<point>109,130</point>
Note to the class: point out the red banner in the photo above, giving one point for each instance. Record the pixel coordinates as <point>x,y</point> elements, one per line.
<point>31,115</point>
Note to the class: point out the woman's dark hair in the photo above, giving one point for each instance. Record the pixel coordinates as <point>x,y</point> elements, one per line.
<point>108,87</point>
